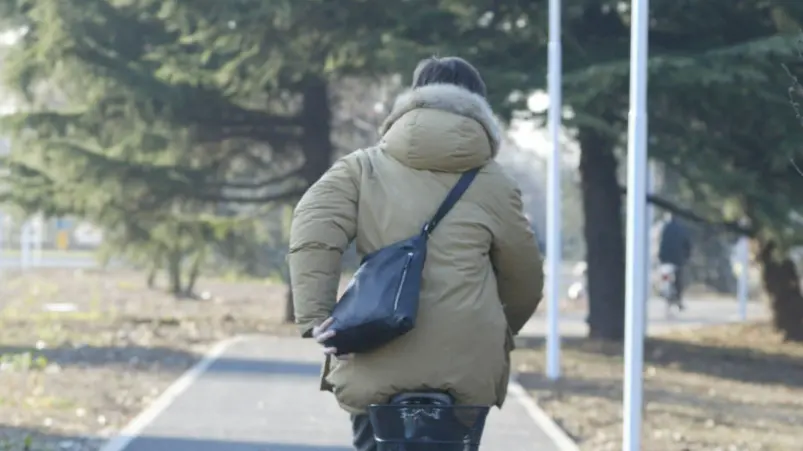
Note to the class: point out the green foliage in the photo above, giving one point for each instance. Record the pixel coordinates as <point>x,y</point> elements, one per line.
<point>171,123</point>
<point>152,118</point>
<point>716,104</point>
<point>716,98</point>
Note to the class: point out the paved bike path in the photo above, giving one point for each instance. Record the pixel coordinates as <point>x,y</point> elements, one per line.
<point>260,394</point>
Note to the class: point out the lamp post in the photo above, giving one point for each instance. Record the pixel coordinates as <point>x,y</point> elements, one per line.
<point>553,232</point>
<point>636,227</point>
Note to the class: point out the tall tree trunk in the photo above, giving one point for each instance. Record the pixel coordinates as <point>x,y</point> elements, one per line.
<point>604,236</point>
<point>316,144</point>
<point>289,308</point>
<point>782,283</point>
<point>195,272</point>
<point>174,258</point>
<point>316,119</point>
<point>155,265</point>
<point>152,272</point>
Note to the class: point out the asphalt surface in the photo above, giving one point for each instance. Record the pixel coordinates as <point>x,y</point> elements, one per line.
<point>262,395</point>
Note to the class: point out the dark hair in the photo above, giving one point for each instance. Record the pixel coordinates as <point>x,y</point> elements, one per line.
<point>449,70</point>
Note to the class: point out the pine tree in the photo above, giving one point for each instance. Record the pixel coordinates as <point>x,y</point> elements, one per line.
<point>152,117</point>
<point>707,59</point>
<point>715,119</point>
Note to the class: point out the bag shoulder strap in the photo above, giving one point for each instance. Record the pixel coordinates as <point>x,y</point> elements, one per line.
<point>451,199</point>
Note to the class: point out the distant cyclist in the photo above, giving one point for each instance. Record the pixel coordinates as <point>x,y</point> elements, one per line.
<point>675,249</point>
<point>483,275</point>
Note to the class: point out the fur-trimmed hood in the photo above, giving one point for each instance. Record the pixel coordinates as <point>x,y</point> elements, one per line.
<point>441,127</point>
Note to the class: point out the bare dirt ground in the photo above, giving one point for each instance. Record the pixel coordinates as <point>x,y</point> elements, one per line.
<point>81,353</point>
<point>734,387</point>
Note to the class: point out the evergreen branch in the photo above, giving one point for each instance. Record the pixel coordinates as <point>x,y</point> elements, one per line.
<point>794,92</point>
<point>287,196</point>
<point>665,204</point>
<point>705,64</point>
<point>217,117</point>
<point>796,88</point>
<point>276,180</point>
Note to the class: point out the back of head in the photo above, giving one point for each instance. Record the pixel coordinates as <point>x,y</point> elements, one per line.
<point>444,122</point>
<point>449,70</point>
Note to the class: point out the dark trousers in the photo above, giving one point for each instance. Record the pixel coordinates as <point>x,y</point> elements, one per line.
<point>363,433</point>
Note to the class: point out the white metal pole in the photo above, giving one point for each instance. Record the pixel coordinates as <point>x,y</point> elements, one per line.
<point>22,245</point>
<point>29,234</point>
<point>553,235</point>
<point>743,252</point>
<point>38,238</point>
<point>2,242</point>
<point>25,245</point>
<point>650,217</point>
<point>636,196</point>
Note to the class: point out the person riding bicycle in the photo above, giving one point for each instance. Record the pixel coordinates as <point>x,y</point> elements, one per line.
<point>675,248</point>
<point>483,276</point>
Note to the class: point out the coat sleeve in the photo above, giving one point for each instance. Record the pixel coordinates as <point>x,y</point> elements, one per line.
<point>517,261</point>
<point>324,223</point>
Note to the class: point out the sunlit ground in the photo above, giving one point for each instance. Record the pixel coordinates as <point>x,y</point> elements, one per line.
<point>724,387</point>
<point>81,353</point>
